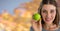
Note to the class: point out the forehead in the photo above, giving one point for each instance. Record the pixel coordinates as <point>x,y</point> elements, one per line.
<point>48,6</point>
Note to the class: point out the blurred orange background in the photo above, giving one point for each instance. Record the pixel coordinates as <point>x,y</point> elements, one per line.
<point>21,20</point>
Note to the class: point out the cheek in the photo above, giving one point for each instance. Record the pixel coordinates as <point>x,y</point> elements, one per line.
<point>53,15</point>
<point>43,16</point>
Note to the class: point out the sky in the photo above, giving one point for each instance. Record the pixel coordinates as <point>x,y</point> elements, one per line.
<point>11,4</point>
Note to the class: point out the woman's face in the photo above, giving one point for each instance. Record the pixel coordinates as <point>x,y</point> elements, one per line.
<point>48,13</point>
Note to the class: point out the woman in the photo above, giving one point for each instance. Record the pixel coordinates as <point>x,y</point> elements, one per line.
<point>49,17</point>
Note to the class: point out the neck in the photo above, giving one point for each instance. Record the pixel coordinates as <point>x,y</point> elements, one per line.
<point>48,25</point>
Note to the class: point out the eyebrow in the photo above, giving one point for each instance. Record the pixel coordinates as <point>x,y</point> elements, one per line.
<point>52,10</point>
<point>44,10</point>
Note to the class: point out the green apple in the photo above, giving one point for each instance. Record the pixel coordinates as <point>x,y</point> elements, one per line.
<point>36,16</point>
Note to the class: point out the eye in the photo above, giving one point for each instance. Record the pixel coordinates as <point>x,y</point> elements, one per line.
<point>52,11</point>
<point>44,11</point>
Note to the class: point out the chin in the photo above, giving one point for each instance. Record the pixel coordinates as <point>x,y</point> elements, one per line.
<point>48,22</point>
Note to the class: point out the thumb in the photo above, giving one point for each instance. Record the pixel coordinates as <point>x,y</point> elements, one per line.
<point>40,25</point>
<point>40,21</point>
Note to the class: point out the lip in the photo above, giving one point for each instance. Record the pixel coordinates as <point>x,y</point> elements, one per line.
<point>47,19</point>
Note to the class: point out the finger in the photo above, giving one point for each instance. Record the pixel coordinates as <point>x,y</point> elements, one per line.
<point>40,21</point>
<point>33,21</point>
<point>35,25</point>
<point>40,24</point>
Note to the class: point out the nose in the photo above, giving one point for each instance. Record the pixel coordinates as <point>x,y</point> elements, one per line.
<point>48,15</point>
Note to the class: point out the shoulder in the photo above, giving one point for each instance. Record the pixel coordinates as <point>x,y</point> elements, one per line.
<point>58,28</point>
